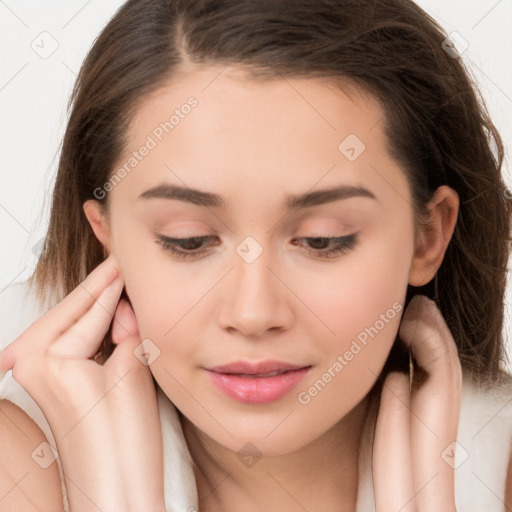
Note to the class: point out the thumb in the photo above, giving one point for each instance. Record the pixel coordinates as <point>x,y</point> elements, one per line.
<point>125,327</point>
<point>126,337</point>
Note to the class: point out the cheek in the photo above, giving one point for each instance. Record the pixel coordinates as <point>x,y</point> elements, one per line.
<point>354,295</point>
<point>363,317</point>
<point>360,306</point>
<point>166,316</point>
<point>167,303</point>
<point>160,291</point>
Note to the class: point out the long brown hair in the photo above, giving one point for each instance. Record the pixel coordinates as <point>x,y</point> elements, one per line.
<point>436,123</point>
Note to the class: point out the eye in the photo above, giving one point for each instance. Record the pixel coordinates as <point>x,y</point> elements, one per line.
<point>328,247</point>
<point>323,247</point>
<point>184,247</point>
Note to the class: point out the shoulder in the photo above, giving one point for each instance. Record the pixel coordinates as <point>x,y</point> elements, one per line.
<point>29,476</point>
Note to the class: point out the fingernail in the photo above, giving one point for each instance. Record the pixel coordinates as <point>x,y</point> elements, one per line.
<point>117,276</point>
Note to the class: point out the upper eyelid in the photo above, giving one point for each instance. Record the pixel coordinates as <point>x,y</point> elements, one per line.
<point>342,245</point>
<point>206,238</point>
<point>347,229</point>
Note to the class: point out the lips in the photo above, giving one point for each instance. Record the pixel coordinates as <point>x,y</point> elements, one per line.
<point>259,375</point>
<point>257,383</point>
<point>261,369</point>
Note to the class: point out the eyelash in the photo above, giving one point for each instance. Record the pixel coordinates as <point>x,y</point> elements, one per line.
<point>343,244</point>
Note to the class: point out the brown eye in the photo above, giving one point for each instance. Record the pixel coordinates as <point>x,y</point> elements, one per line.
<point>326,247</point>
<point>184,247</point>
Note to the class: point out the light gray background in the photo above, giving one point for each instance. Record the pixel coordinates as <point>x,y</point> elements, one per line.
<point>34,88</point>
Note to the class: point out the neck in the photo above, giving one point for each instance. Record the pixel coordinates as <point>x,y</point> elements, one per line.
<point>321,475</point>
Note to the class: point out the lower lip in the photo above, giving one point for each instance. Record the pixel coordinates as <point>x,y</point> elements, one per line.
<point>257,390</point>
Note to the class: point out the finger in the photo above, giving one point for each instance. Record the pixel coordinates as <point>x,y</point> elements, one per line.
<point>126,336</point>
<point>83,338</point>
<point>8,358</point>
<point>135,411</point>
<point>73,306</point>
<point>3,364</point>
<point>58,319</point>
<point>435,404</point>
<point>392,468</point>
<point>125,324</point>
<point>424,330</point>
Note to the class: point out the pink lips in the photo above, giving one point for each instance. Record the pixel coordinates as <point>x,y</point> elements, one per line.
<point>257,383</point>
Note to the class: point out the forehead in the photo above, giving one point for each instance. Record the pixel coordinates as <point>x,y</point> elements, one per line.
<point>214,126</point>
<point>228,97</point>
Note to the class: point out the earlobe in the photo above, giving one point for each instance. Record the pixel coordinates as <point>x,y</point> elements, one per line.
<point>92,210</point>
<point>434,236</point>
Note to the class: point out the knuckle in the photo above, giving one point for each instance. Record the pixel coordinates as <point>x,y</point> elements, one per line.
<point>26,370</point>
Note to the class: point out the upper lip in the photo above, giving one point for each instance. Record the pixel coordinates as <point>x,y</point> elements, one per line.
<point>250,368</point>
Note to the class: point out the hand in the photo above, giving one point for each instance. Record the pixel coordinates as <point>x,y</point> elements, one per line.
<point>415,427</point>
<point>104,418</point>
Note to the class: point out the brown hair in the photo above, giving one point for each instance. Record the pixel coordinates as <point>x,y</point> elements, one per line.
<point>436,122</point>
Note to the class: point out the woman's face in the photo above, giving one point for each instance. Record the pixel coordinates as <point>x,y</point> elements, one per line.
<point>261,286</point>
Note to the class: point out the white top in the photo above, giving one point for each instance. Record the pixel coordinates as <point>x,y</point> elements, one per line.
<point>481,453</point>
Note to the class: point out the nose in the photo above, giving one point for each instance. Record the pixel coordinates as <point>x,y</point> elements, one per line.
<point>256,300</point>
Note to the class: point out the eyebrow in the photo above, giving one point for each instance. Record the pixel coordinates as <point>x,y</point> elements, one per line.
<point>201,198</point>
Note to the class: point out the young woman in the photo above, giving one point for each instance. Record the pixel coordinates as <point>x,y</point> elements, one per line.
<point>287,220</point>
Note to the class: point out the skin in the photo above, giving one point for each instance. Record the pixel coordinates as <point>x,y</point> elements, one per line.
<point>255,143</point>
<point>94,411</point>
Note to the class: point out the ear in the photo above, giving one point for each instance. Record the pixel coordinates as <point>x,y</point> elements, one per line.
<point>98,222</point>
<point>433,237</point>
